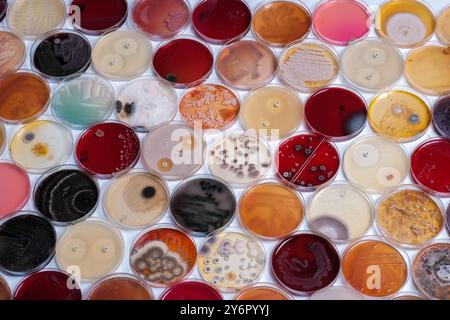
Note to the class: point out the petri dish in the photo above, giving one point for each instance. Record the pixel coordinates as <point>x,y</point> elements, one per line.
<point>171,66</point>
<point>376,163</point>
<point>48,285</point>
<point>443,26</point>
<point>246,64</point>
<point>268,26</point>
<point>372,65</point>
<point>427,69</point>
<point>308,65</point>
<point>405,23</point>
<point>97,17</point>
<point>24,96</point>
<point>65,194</point>
<point>84,101</point>
<point>107,148</point>
<point>28,243</point>
<point>61,54</point>
<point>373,267</point>
<point>345,110</point>
<point>191,290</point>
<point>340,212</point>
<point>13,52</point>
<point>3,8</point>
<point>441,116</point>
<point>3,137</point>
<point>410,216</point>
<point>120,286</point>
<point>336,293</point>
<point>262,291</point>
<point>219,22</point>
<point>160,19</point>
<point>136,199</point>
<point>122,55</point>
<point>5,291</point>
<point>175,249</point>
<point>274,110</point>
<point>408,296</point>
<point>239,158</point>
<point>331,23</point>
<point>145,103</point>
<point>41,144</point>
<point>14,188</point>
<point>33,18</point>
<point>318,268</point>
<point>429,165</point>
<point>173,150</point>
<point>89,250</point>
<point>271,210</point>
<point>430,271</point>
<point>231,260</point>
<point>210,106</point>
<point>203,204</point>
<point>399,114</point>
<point>307,161</point>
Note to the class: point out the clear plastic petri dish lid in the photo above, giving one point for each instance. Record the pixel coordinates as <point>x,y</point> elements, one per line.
<point>268,292</point>
<point>408,295</point>
<point>410,216</point>
<point>213,293</point>
<point>14,51</point>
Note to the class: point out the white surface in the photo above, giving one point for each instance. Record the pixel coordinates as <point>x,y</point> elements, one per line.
<point>438,5</point>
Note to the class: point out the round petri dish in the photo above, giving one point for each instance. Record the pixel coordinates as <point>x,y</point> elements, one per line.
<point>41,144</point>
<point>203,204</point>
<point>345,113</point>
<point>408,296</point>
<point>210,106</point>
<point>332,25</point>
<point>120,286</point>
<point>28,243</point>
<point>340,212</point>
<point>308,65</point>
<point>107,148</point>
<point>84,101</point>
<point>160,19</point>
<point>3,137</point>
<point>65,194</point>
<point>307,161</point>
<point>373,267</point>
<point>410,216</point>
<point>187,69</point>
<point>305,262</point>
<point>239,158</point>
<point>61,54</point>
<point>427,69</point>
<point>231,260</point>
<point>399,114</point>
<point>441,116</point>
<point>246,64</point>
<point>136,199</point>
<point>24,96</point>
<point>3,8</point>
<point>13,52</point>
<point>376,163</point>
<point>372,64</point>
<point>33,18</point>
<point>262,291</point>
<point>271,210</point>
<point>429,165</point>
<point>145,103</point>
<point>219,22</point>
<point>173,150</point>
<point>175,249</point>
<point>336,293</point>
<point>122,55</point>
<point>268,26</point>
<point>274,110</point>
<point>97,17</point>
<point>48,285</point>
<point>5,291</point>
<point>89,250</point>
<point>443,26</point>
<point>405,23</point>
<point>14,188</point>
<point>430,271</point>
<point>191,290</point>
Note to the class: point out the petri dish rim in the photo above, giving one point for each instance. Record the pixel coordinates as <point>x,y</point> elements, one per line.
<point>24,57</point>
<point>28,186</point>
<point>168,290</point>
<point>263,285</point>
